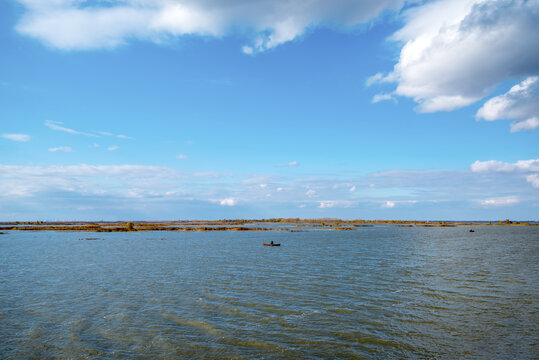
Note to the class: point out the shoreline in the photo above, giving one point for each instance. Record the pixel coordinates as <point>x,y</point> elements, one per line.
<point>290,225</point>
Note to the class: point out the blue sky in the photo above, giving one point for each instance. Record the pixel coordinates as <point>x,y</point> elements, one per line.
<point>173,109</point>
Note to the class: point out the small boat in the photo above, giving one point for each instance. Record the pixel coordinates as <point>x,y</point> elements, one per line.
<point>270,244</point>
<point>472,230</point>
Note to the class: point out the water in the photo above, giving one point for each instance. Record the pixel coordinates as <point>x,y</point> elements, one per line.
<point>375,293</point>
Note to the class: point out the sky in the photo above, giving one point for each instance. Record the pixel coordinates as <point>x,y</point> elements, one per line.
<point>212,109</point>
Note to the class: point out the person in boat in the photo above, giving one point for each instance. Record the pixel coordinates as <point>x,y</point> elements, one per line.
<point>271,243</point>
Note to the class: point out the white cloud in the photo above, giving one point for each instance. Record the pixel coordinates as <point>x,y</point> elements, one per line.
<point>247,50</point>
<point>83,179</point>
<point>71,25</point>
<point>353,188</point>
<point>533,179</point>
<point>500,166</point>
<point>530,167</point>
<point>289,164</point>
<point>113,148</point>
<point>228,202</point>
<point>17,137</point>
<point>525,125</point>
<point>310,193</point>
<point>57,126</point>
<point>181,156</point>
<point>521,103</point>
<point>382,97</point>
<point>119,136</point>
<point>456,51</point>
<point>410,191</point>
<point>376,78</point>
<point>61,148</point>
<point>335,203</point>
<point>500,201</point>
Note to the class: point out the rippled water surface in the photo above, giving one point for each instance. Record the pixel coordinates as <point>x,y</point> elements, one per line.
<point>380,292</point>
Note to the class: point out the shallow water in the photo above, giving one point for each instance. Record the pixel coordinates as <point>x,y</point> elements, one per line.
<point>380,292</point>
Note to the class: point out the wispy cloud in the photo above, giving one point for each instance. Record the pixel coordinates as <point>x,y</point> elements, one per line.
<point>119,136</point>
<point>17,137</point>
<point>388,204</point>
<point>289,164</point>
<point>181,156</point>
<point>500,201</point>
<point>382,97</point>
<point>113,148</point>
<point>58,126</point>
<point>531,165</point>
<point>61,148</point>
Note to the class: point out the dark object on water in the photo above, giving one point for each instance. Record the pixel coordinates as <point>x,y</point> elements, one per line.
<point>270,244</point>
<point>472,230</point>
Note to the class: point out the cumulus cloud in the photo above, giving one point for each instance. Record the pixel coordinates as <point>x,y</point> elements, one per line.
<point>521,103</point>
<point>533,179</point>
<point>456,51</point>
<point>228,202</point>
<point>310,193</point>
<point>388,204</point>
<point>326,204</point>
<point>61,148</point>
<point>525,125</point>
<point>16,137</point>
<point>73,25</point>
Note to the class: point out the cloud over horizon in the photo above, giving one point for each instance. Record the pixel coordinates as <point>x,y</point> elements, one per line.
<point>487,185</point>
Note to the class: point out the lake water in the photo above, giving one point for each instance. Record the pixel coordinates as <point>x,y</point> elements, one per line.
<point>374,293</point>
